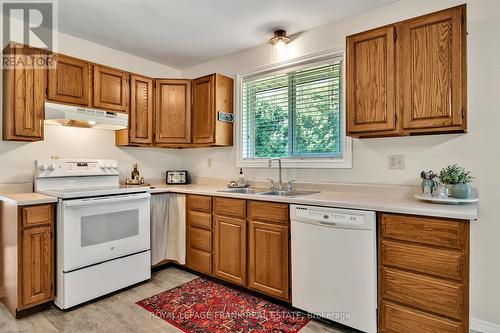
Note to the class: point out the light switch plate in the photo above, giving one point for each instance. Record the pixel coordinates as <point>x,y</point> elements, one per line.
<point>396,161</point>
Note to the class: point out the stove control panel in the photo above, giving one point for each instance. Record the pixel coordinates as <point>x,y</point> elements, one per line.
<point>75,167</point>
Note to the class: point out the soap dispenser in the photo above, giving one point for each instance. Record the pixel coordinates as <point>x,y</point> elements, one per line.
<point>241,179</point>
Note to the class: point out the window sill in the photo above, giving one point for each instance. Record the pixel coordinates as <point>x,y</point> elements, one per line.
<point>298,163</point>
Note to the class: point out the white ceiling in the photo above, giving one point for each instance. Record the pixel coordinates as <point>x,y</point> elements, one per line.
<point>184,33</point>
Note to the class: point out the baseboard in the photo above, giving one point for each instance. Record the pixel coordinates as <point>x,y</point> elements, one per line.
<point>483,326</point>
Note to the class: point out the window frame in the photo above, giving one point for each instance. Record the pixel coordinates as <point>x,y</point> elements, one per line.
<point>344,162</point>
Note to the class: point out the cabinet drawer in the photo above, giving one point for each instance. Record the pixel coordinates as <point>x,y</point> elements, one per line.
<point>426,293</point>
<point>268,211</point>
<point>424,230</point>
<point>399,319</point>
<point>230,207</point>
<point>200,202</point>
<point>37,215</point>
<point>201,220</point>
<point>434,261</point>
<point>200,261</point>
<point>200,239</point>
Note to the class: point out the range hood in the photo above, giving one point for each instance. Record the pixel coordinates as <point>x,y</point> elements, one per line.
<point>75,116</point>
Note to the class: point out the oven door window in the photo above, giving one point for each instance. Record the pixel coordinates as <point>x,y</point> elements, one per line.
<point>104,228</point>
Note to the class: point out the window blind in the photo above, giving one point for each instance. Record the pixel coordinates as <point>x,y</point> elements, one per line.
<point>293,114</point>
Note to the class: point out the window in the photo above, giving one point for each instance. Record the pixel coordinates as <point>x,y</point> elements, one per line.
<point>294,112</point>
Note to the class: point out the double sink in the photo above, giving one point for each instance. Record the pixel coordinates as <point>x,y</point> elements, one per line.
<point>250,190</point>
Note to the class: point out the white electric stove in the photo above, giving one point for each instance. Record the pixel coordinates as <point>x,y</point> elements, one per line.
<point>103,229</point>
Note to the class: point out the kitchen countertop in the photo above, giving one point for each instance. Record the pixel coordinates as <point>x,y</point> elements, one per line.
<point>354,197</point>
<point>380,198</point>
<point>25,199</point>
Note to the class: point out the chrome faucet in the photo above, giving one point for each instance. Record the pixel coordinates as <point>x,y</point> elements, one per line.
<point>269,164</point>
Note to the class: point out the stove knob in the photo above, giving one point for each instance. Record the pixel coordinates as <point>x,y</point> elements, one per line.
<point>42,167</point>
<point>108,165</point>
<point>51,166</point>
<point>102,166</point>
<point>115,166</point>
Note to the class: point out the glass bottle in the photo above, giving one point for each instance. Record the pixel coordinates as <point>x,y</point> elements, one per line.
<point>135,173</point>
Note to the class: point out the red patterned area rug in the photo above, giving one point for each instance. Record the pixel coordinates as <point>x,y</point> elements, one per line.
<point>202,306</point>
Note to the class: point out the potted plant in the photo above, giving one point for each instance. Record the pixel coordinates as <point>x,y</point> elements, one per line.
<point>458,179</point>
<point>428,180</point>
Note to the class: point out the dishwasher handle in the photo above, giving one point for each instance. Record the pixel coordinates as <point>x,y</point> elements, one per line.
<point>327,224</point>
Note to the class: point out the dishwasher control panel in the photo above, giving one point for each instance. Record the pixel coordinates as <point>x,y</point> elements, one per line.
<point>332,217</point>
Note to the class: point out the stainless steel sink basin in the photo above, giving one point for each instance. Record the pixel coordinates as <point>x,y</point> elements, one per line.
<point>246,190</point>
<point>289,193</point>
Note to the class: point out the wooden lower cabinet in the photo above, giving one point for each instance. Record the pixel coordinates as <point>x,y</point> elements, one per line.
<point>230,249</point>
<point>231,240</point>
<point>397,318</point>
<point>28,253</point>
<point>268,259</point>
<point>37,265</point>
<point>423,274</point>
<point>199,248</point>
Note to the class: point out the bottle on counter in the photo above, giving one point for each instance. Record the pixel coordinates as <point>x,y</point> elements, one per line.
<point>135,174</point>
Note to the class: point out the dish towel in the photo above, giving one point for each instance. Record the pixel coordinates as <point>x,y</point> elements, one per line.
<point>168,228</point>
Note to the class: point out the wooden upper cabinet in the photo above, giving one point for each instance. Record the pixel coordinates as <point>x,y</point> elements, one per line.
<point>141,110</point>
<point>433,60</point>
<point>23,96</point>
<point>212,94</point>
<point>111,90</point>
<point>409,77</point>
<point>173,112</point>
<point>204,109</point>
<point>69,82</point>
<point>371,81</point>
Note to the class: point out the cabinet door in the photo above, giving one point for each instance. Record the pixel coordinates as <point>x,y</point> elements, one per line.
<point>24,94</point>
<point>230,249</point>
<point>370,81</point>
<point>204,110</point>
<point>110,89</point>
<point>268,259</point>
<point>141,110</point>
<point>173,112</point>
<point>69,82</point>
<point>433,60</point>
<point>37,265</point>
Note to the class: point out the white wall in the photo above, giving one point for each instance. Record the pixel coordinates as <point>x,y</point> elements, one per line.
<point>477,150</point>
<point>16,158</point>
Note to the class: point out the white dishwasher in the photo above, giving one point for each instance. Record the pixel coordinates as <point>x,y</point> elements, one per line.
<point>334,264</point>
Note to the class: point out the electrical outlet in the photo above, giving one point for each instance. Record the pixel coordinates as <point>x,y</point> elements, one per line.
<point>209,162</point>
<point>396,161</point>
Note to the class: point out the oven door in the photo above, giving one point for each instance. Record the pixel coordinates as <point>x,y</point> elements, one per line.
<point>94,230</point>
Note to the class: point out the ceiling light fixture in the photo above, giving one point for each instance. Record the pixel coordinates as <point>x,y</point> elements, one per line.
<point>279,40</point>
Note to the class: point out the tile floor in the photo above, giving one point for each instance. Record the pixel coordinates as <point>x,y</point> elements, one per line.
<point>117,313</point>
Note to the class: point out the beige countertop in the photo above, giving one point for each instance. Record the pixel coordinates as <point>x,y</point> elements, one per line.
<point>25,199</point>
<point>380,198</point>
